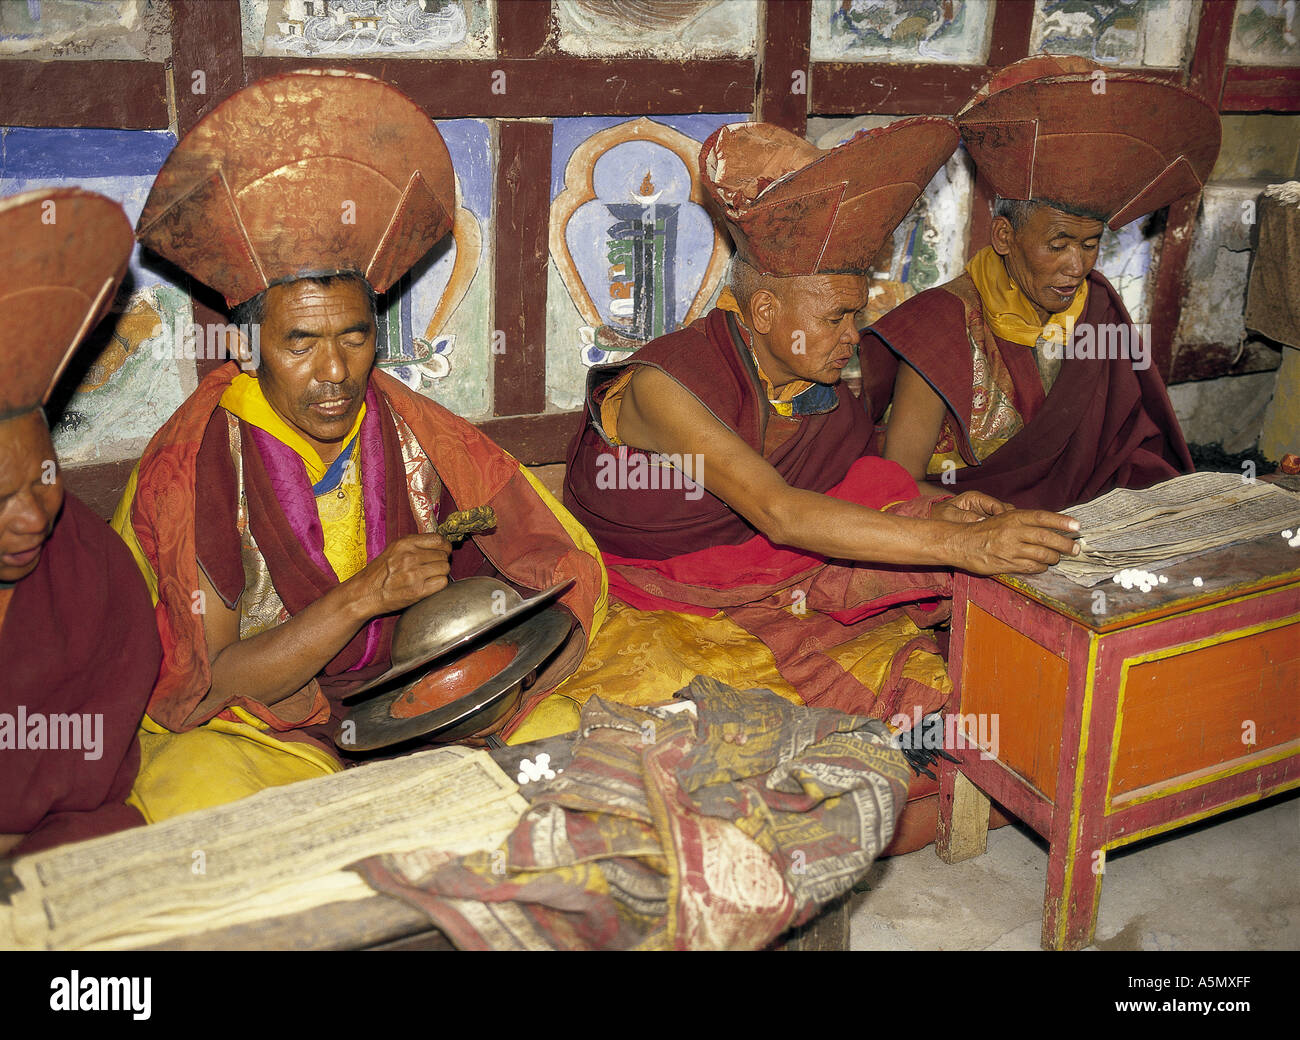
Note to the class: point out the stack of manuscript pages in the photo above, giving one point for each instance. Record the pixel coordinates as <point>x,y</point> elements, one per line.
<point>1182,517</point>
<point>280,851</point>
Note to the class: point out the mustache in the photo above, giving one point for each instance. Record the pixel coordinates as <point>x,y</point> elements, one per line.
<point>333,392</point>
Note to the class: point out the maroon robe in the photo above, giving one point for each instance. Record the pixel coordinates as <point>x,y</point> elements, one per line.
<point>297,580</point>
<point>78,636</point>
<point>1103,425</point>
<point>814,452</point>
<point>709,360</point>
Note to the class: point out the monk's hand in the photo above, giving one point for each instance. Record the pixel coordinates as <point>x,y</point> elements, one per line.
<point>408,570</point>
<point>1018,541</point>
<point>969,507</point>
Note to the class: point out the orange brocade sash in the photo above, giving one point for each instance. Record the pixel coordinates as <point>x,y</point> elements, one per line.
<point>531,546</point>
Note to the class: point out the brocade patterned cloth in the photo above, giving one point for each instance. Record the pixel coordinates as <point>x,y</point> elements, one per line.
<point>670,829</point>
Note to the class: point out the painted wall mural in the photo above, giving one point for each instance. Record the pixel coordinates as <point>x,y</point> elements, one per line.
<point>1155,33</point>
<point>634,253</point>
<point>662,28</point>
<point>1125,259</point>
<point>131,374</point>
<point>1266,32</point>
<point>901,30</point>
<point>123,30</point>
<point>1217,265</point>
<point>434,334</point>
<point>363,28</point>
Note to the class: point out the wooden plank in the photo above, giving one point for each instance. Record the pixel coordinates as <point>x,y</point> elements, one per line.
<point>1261,88</point>
<point>56,94</point>
<point>1170,287</point>
<point>535,440</point>
<point>1212,360</point>
<point>1205,77</point>
<point>522,223</point>
<point>1072,885</point>
<point>549,86</point>
<point>524,28</point>
<point>963,831</point>
<point>207,57</point>
<point>783,73</point>
<point>1210,53</point>
<point>1013,22</point>
<point>851,88</point>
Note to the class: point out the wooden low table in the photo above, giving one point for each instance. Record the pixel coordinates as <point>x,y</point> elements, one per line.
<point>1111,718</point>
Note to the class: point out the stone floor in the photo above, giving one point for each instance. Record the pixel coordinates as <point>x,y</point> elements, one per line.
<point>1229,883</point>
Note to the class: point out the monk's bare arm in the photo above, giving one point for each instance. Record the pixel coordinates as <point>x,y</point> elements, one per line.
<point>915,420</point>
<point>658,414</point>
<point>279,662</point>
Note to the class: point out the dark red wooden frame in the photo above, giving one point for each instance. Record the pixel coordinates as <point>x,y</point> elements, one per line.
<point>543,84</point>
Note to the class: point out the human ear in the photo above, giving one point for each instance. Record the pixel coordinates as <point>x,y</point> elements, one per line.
<point>763,309</point>
<point>1003,234</point>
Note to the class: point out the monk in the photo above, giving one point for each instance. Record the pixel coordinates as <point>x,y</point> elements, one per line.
<point>288,511</point>
<point>722,468</point>
<point>78,647</point>
<point>1025,377</point>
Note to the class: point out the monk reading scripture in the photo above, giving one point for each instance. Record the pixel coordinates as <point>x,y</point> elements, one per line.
<point>288,513</point>
<point>78,647</point>
<point>1026,377</point>
<point>780,505</point>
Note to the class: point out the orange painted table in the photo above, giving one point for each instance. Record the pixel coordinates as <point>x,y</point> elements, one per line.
<point>1107,719</point>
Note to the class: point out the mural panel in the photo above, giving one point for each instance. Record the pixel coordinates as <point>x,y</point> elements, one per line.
<point>954,31</point>
<point>123,30</point>
<point>131,374</point>
<point>1129,33</point>
<point>367,28</point>
<point>1265,32</point>
<point>434,333</point>
<point>634,253</point>
<point>669,29</point>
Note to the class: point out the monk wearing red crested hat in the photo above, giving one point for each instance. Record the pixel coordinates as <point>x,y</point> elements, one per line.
<point>1025,377</point>
<point>78,648</point>
<point>781,522</point>
<point>289,509</point>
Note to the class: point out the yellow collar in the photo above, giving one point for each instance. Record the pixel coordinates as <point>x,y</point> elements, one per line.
<point>780,400</point>
<point>1009,312</point>
<point>244,398</point>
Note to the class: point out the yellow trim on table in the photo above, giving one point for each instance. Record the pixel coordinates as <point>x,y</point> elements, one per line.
<point>1076,804</point>
<point>1158,655</point>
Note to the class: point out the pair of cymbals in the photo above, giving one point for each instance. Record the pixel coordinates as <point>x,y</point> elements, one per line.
<point>476,617</point>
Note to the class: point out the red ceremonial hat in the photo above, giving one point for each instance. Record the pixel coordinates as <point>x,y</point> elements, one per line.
<point>66,251</point>
<point>310,172</point>
<point>794,209</point>
<point>1065,130</point>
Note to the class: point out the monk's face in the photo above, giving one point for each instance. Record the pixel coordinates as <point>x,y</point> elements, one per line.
<point>31,494</point>
<point>318,345</point>
<point>1049,257</point>
<point>805,326</point>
